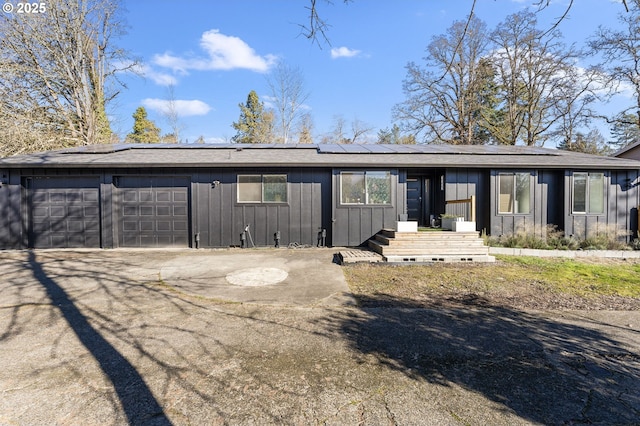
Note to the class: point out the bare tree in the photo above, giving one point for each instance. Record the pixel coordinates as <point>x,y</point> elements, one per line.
<point>289,96</point>
<point>535,70</point>
<point>171,116</point>
<point>359,130</point>
<point>620,49</point>
<point>317,26</point>
<point>442,98</point>
<point>337,134</point>
<point>576,99</point>
<point>56,73</point>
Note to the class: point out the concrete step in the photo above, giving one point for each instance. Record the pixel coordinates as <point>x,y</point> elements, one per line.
<point>392,242</point>
<point>385,249</point>
<point>440,258</point>
<point>430,246</point>
<point>428,235</point>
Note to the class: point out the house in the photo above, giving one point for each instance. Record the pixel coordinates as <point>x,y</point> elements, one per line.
<point>631,151</point>
<point>339,195</point>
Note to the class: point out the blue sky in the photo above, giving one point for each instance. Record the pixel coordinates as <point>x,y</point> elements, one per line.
<point>215,52</point>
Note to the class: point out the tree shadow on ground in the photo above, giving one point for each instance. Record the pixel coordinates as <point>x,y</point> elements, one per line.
<point>116,346</point>
<point>135,397</point>
<point>541,369</point>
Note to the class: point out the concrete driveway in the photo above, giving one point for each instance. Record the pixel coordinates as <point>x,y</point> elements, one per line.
<point>120,337</point>
<point>303,277</point>
<point>284,277</point>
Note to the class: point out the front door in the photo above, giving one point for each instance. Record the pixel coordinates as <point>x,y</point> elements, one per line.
<point>418,199</point>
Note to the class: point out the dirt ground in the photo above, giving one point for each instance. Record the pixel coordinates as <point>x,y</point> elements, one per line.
<point>92,341</point>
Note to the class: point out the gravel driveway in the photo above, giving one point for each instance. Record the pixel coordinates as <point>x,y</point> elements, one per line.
<point>99,338</point>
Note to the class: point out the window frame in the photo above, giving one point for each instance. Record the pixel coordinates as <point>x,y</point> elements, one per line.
<point>587,193</point>
<point>262,188</point>
<point>514,192</point>
<point>366,195</point>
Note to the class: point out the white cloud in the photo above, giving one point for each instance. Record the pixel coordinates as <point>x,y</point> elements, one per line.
<point>343,52</point>
<point>223,53</point>
<point>183,108</point>
<point>159,78</point>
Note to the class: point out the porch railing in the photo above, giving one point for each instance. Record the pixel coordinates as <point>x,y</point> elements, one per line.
<point>465,208</point>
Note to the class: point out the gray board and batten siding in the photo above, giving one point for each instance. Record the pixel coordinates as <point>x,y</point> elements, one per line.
<point>187,195</point>
<point>219,218</point>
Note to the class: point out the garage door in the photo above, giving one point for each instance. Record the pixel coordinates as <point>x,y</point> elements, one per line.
<point>153,211</point>
<point>64,212</point>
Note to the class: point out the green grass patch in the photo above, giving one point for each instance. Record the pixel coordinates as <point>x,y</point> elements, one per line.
<point>581,278</point>
<point>510,275</point>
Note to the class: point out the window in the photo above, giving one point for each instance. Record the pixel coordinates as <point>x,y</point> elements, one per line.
<point>514,193</point>
<point>588,193</point>
<point>262,188</point>
<point>369,187</point>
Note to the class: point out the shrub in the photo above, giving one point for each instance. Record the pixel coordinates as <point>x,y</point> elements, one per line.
<point>605,238</point>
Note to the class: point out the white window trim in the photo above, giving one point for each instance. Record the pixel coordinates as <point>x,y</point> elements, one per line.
<point>514,191</point>
<point>587,194</point>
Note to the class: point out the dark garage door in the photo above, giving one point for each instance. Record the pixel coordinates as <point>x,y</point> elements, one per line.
<point>153,211</point>
<point>64,212</point>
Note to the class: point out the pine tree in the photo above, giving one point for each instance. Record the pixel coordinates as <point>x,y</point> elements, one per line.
<point>625,130</point>
<point>144,130</point>
<point>591,143</point>
<point>254,125</point>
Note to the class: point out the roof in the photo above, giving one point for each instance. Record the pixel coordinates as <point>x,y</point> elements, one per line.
<point>309,155</point>
<point>623,152</point>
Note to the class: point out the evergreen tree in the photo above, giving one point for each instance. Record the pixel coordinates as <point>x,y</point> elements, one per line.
<point>393,136</point>
<point>625,130</point>
<point>144,130</point>
<point>591,143</point>
<point>255,125</point>
<point>305,130</point>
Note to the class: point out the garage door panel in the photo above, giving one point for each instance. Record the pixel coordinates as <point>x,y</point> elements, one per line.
<point>60,240</point>
<point>57,211</point>
<point>163,210</point>
<point>73,212</point>
<point>92,211</point>
<point>93,226</point>
<point>130,210</point>
<point>129,226</point>
<point>129,195</point>
<point>58,197</point>
<point>146,226</point>
<point>180,196</point>
<point>146,196</point>
<point>65,212</point>
<point>72,197</point>
<point>166,240</point>
<point>153,211</point>
<point>76,226</point>
<point>41,226</point>
<point>131,240</point>
<point>163,196</point>
<point>150,241</point>
<point>163,226</point>
<point>38,212</point>
<point>180,226</point>
<point>92,240</point>
<point>89,197</point>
